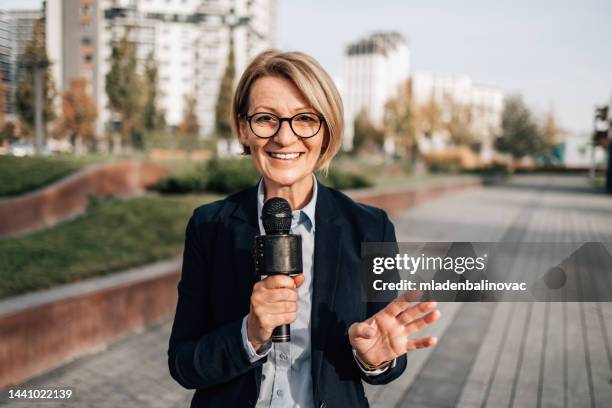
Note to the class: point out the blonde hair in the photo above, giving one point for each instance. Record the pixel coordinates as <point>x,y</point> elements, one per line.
<point>311,80</point>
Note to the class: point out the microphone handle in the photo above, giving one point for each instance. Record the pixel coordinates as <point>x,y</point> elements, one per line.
<point>281,334</point>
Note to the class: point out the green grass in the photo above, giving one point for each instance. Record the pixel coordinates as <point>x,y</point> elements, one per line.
<point>599,182</point>
<point>22,174</point>
<point>112,235</point>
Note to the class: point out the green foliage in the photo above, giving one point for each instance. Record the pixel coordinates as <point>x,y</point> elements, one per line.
<point>220,176</point>
<point>228,176</point>
<point>113,235</point>
<point>189,182</point>
<point>153,117</point>
<point>223,124</point>
<point>343,180</point>
<point>124,88</point>
<point>22,174</point>
<point>34,54</point>
<point>520,135</point>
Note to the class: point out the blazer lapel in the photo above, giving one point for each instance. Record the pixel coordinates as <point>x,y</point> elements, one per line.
<point>244,223</point>
<point>245,227</point>
<point>325,276</point>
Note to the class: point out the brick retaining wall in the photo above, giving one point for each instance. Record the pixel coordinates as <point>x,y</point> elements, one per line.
<point>68,197</point>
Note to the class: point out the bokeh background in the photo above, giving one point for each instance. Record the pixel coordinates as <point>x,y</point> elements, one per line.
<point>471,121</point>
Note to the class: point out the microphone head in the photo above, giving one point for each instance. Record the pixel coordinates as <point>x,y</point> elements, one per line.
<point>276,216</point>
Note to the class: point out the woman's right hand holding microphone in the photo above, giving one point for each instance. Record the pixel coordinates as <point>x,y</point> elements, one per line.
<point>273,303</point>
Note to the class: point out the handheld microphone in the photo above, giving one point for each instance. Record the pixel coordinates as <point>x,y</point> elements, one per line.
<point>278,252</point>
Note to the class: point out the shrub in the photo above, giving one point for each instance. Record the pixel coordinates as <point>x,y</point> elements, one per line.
<point>221,176</point>
<point>344,181</point>
<point>191,182</point>
<point>228,176</point>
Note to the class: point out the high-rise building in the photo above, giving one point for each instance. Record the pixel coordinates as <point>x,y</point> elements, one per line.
<point>16,28</point>
<point>6,49</point>
<point>374,68</point>
<point>189,40</point>
<point>485,103</point>
<point>23,22</point>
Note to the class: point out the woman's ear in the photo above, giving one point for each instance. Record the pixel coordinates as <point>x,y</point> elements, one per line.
<point>242,131</point>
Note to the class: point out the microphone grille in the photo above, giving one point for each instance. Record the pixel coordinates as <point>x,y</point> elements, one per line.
<point>276,216</point>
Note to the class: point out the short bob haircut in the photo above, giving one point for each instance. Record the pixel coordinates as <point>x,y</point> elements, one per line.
<point>311,80</point>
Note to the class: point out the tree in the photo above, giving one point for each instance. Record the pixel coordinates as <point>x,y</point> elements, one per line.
<point>35,54</point>
<point>550,131</point>
<point>189,127</point>
<point>366,137</point>
<point>429,118</point>
<point>79,113</point>
<point>4,136</point>
<point>223,122</point>
<point>459,124</point>
<point>153,117</point>
<point>124,88</point>
<point>520,135</point>
<point>399,119</point>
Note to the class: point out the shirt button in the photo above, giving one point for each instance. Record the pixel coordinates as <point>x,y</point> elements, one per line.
<point>279,393</point>
<point>283,356</point>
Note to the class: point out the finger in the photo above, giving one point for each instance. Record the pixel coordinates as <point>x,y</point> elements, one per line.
<point>275,320</point>
<point>279,281</point>
<point>402,302</point>
<point>278,295</point>
<point>275,308</point>
<point>423,342</point>
<point>362,330</point>
<point>397,306</point>
<point>411,295</point>
<point>421,322</point>
<point>415,311</point>
<point>298,280</point>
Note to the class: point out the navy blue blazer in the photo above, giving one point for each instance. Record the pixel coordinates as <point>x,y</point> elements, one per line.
<point>206,352</point>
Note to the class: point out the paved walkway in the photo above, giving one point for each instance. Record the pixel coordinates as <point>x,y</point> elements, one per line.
<point>489,355</point>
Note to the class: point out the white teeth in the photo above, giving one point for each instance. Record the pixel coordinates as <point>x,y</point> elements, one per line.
<point>285,156</point>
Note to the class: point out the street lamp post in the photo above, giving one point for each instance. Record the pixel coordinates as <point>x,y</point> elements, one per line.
<point>38,68</point>
<point>38,114</point>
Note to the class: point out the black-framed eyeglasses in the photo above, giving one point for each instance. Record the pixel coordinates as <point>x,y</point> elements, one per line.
<point>266,125</point>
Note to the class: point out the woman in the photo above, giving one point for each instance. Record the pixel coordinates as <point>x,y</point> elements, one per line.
<point>288,117</point>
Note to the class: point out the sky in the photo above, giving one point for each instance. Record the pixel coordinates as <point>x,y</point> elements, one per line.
<point>557,54</point>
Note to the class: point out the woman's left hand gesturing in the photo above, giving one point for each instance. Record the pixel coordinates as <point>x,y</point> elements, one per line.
<point>384,336</point>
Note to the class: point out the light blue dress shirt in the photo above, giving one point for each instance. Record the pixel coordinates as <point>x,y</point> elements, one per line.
<point>286,375</point>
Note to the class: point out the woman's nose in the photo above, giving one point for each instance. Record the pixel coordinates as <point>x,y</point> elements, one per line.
<point>285,135</point>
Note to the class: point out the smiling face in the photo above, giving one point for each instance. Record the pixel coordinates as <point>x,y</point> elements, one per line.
<point>284,160</point>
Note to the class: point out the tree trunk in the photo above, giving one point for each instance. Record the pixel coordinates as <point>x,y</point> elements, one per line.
<point>116,138</point>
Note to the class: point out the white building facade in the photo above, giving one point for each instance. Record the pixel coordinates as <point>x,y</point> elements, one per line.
<point>189,40</point>
<point>16,28</point>
<point>485,103</point>
<point>374,68</point>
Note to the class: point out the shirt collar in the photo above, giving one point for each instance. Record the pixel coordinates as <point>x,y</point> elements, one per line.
<point>305,215</point>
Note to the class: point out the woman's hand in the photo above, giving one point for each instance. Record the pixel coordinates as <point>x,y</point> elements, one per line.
<point>384,336</point>
<point>273,303</point>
